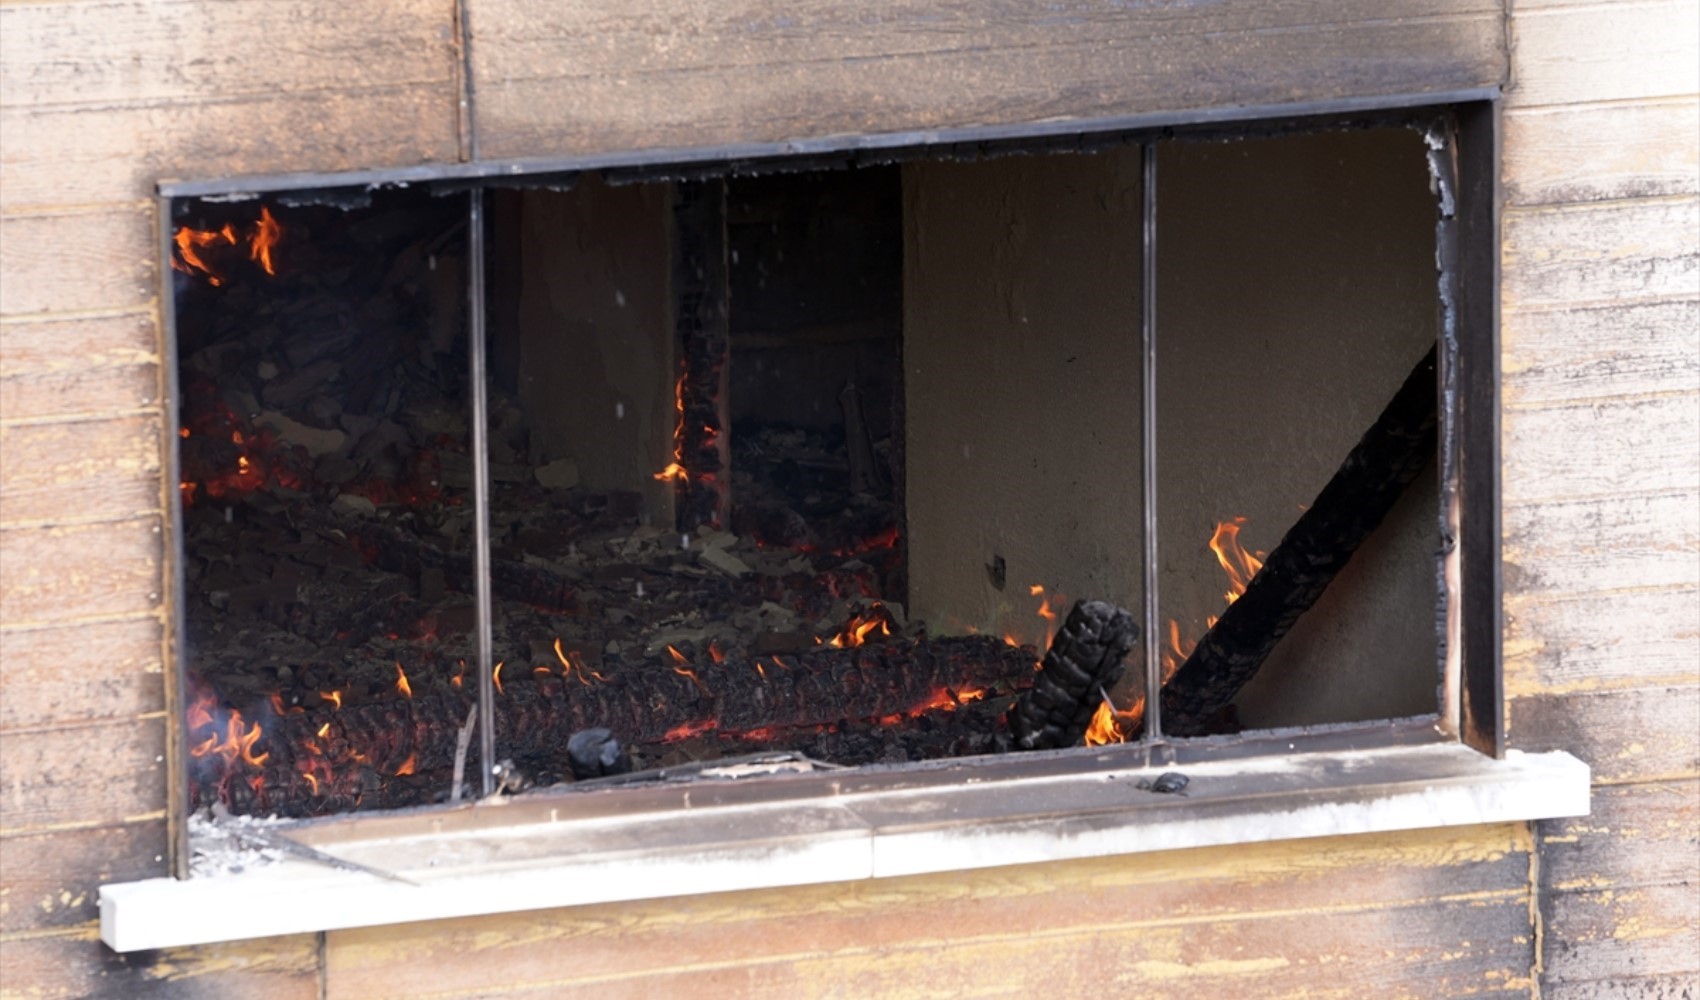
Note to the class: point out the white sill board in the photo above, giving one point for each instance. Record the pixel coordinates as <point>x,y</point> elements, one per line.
<point>574,861</point>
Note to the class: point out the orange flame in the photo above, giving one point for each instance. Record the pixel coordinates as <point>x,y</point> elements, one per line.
<point>238,742</point>
<point>266,234</point>
<point>312,781</point>
<point>861,625</point>
<point>408,765</point>
<point>334,697</point>
<point>401,684</point>
<point>678,657</point>
<point>460,675</point>
<point>496,677</point>
<point>1239,564</point>
<point>715,654</point>
<point>675,471</point>
<point>324,731</point>
<point>1104,728</point>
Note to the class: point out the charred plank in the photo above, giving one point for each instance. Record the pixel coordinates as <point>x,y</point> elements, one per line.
<point>1085,658</point>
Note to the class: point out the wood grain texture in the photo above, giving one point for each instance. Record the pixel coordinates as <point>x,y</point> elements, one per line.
<point>1681,986</point>
<point>1619,933</point>
<point>571,79</point>
<point>55,573</point>
<point>1571,355</point>
<point>1601,449</point>
<point>1260,917</point>
<point>132,52</point>
<point>1605,544</point>
<point>1618,252</point>
<point>1640,834</point>
<point>79,365</point>
<point>74,964</point>
<point>1605,52</point>
<point>53,880</point>
<point>1628,735</point>
<point>37,689</point>
<point>77,261</point>
<point>98,773</point>
<point>81,469</point>
<point>77,155</point>
<point>1603,152</point>
<point>1597,641</point>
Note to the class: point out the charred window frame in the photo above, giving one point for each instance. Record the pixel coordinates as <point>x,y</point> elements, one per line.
<point>1464,153</point>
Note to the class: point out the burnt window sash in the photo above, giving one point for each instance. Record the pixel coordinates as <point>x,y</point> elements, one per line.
<point>1465,143</point>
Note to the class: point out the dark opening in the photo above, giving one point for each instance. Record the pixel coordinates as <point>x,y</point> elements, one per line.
<point>812,461</point>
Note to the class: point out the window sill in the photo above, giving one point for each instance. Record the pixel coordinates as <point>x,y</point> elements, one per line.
<point>529,853</point>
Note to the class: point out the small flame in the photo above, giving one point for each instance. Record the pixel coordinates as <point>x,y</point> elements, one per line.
<point>266,234</point>
<point>460,675</point>
<point>1036,589</point>
<point>1239,564</point>
<point>312,781</point>
<point>678,657</point>
<point>496,677</point>
<point>408,765</point>
<point>675,471</point>
<point>334,697</point>
<point>715,654</point>
<point>325,731</point>
<point>856,631</point>
<point>401,684</point>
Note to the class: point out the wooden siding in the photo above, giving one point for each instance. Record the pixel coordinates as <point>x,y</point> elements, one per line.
<point>1601,354</point>
<point>101,98</point>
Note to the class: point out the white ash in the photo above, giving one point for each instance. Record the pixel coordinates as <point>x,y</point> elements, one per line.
<point>217,846</point>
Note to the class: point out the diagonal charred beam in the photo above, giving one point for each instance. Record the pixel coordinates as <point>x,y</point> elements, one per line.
<point>1085,657</point>
<point>1353,504</point>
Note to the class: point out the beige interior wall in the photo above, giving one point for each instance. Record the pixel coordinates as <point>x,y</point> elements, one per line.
<point>1021,352</point>
<point>597,359</point>
<point>1296,289</point>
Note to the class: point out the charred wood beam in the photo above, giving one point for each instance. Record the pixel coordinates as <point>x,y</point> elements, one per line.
<point>1368,483</point>
<point>1085,658</point>
<point>398,752</point>
<point>700,277</point>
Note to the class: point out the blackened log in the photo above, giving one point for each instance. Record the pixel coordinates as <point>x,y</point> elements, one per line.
<point>1085,659</point>
<point>1374,475</point>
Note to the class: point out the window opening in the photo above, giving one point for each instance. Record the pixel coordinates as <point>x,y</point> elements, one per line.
<point>540,483</point>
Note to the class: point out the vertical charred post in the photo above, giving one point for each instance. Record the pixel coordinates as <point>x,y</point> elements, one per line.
<point>1085,657</point>
<point>701,287</point>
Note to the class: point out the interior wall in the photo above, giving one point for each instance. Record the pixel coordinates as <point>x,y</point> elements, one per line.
<point>1021,347</point>
<point>1296,289</point>
<point>597,362</point>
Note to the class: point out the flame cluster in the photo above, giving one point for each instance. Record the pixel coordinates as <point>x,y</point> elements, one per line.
<point>861,626</point>
<point>260,239</point>
<point>1240,565</point>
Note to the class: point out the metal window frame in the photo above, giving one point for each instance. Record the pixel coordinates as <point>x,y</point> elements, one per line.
<point>1471,708</point>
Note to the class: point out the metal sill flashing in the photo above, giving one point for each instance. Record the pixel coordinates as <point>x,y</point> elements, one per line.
<point>548,851</point>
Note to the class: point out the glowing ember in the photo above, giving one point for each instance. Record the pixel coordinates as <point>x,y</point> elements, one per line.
<point>688,729</point>
<point>401,685</point>
<point>678,657</point>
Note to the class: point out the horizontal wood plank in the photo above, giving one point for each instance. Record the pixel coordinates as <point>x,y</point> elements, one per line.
<point>53,880</point>
<point>1618,933</point>
<point>37,689</point>
<point>1600,641</point>
<point>1605,52</point>
<point>1639,734</point>
<point>147,52</point>
<point>74,964</point>
<point>1614,543</point>
<point>1639,834</point>
<point>568,79</point>
<point>1575,355</point>
<point>1602,152</point>
<point>79,261</point>
<point>1619,252</point>
<point>79,365</point>
<point>99,773</point>
<point>56,573</point>
<point>81,469</point>
<point>1156,903</point>
<point>1673,987</point>
<point>1446,948</point>
<point>1606,448</point>
<point>60,156</point>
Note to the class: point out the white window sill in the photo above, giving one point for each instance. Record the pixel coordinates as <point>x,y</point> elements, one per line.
<point>545,851</point>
